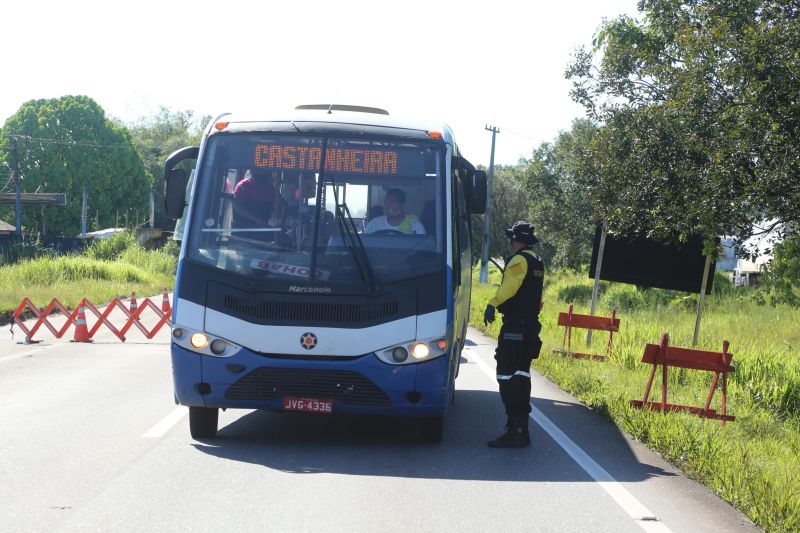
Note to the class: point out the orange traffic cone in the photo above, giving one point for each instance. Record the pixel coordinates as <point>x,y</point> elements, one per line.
<point>134,305</point>
<point>165,302</point>
<point>81,331</point>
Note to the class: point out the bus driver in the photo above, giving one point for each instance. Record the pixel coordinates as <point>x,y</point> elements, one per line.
<point>395,217</point>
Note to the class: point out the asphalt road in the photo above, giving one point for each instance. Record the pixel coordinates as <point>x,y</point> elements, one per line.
<point>90,440</point>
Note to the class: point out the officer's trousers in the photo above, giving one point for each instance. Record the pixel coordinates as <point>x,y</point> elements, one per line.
<point>517,344</point>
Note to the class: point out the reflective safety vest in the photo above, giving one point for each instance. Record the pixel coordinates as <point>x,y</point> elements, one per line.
<point>528,299</point>
<point>405,225</point>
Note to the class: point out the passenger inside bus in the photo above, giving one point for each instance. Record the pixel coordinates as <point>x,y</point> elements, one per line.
<point>395,219</point>
<point>253,200</point>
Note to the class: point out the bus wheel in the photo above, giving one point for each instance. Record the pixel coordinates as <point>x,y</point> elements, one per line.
<point>203,422</point>
<point>430,429</point>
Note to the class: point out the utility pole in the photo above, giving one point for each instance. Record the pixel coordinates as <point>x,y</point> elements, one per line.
<point>152,208</point>
<point>18,186</point>
<point>84,211</point>
<point>487,218</point>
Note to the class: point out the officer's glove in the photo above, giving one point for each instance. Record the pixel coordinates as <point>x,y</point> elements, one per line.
<point>488,315</point>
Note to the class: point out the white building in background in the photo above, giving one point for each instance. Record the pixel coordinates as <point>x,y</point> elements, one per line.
<point>748,272</point>
<point>743,271</point>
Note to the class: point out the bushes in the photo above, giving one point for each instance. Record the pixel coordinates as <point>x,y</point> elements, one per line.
<point>20,250</point>
<point>619,296</point>
<point>723,284</point>
<point>782,278</point>
<point>110,249</point>
<point>575,293</point>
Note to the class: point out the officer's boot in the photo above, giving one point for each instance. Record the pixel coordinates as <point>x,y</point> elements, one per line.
<point>516,435</point>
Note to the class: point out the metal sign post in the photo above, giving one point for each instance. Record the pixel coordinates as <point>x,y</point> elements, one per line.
<point>702,301</point>
<point>596,288</point>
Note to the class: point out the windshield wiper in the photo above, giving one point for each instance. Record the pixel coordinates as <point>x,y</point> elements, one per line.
<point>349,233</point>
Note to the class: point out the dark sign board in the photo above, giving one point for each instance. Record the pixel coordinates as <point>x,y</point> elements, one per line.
<point>648,263</point>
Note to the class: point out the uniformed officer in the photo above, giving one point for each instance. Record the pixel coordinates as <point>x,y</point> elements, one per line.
<point>519,299</point>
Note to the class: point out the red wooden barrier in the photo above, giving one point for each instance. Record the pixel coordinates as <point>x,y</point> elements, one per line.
<point>669,356</point>
<point>602,323</point>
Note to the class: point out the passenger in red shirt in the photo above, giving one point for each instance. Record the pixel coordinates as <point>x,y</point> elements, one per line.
<point>254,198</point>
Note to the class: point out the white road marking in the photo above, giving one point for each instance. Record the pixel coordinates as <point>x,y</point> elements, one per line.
<point>30,352</point>
<point>633,507</point>
<point>165,425</point>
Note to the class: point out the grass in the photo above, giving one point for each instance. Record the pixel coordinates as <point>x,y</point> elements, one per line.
<point>753,463</point>
<point>110,268</point>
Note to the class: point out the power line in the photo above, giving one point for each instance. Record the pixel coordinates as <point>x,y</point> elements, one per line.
<point>512,132</point>
<point>67,142</point>
<point>5,187</point>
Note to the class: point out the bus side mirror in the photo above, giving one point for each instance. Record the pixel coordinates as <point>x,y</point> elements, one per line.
<point>175,193</point>
<point>477,202</point>
<point>175,180</point>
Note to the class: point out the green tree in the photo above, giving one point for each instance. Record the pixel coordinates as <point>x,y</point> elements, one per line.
<point>783,273</point>
<point>509,204</point>
<point>559,205</point>
<point>701,120</point>
<point>158,136</point>
<point>66,142</point>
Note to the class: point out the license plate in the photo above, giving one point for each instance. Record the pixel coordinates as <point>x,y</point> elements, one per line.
<point>307,405</point>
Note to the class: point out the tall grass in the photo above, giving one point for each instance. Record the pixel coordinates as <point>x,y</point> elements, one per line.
<point>753,463</point>
<point>110,268</point>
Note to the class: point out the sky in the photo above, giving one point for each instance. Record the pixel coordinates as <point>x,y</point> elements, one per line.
<point>467,64</point>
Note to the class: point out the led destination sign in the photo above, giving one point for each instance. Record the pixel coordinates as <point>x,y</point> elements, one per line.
<point>349,160</point>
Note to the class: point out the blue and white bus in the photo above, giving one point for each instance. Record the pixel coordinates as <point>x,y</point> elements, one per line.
<point>286,299</point>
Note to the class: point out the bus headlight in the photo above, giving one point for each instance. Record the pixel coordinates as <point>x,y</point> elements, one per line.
<point>199,341</point>
<point>203,343</point>
<point>420,350</point>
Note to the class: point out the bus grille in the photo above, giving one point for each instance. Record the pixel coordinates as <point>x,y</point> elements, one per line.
<point>341,385</point>
<point>310,312</point>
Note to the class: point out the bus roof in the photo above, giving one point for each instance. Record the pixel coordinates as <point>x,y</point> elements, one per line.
<point>339,118</point>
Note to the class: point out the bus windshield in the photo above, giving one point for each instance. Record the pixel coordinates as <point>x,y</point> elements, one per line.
<point>272,206</point>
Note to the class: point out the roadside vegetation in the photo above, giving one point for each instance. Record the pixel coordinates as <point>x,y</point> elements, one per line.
<point>107,269</point>
<point>754,462</point>
<point>692,130</point>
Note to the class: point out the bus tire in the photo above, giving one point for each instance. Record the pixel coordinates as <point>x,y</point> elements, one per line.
<point>430,429</point>
<point>203,422</point>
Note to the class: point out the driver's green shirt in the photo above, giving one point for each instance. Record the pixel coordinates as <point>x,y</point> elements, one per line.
<point>410,225</point>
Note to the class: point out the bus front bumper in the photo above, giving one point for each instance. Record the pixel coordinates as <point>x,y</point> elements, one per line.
<point>359,385</point>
